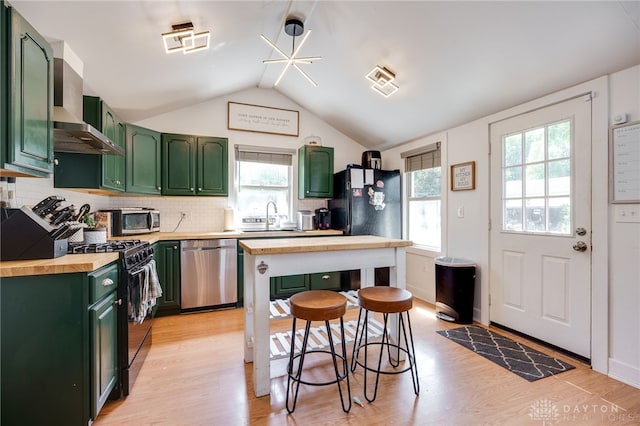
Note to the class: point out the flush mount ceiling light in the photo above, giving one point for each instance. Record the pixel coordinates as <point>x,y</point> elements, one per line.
<point>293,27</point>
<point>382,79</point>
<point>183,39</point>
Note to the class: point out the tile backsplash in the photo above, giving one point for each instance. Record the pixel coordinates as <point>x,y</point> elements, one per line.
<point>204,214</point>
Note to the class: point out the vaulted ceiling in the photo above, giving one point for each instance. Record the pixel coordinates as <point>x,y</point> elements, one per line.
<point>454,61</point>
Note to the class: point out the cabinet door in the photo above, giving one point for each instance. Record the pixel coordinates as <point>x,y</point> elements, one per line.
<point>288,285</point>
<point>104,360</point>
<point>31,127</point>
<point>143,160</point>
<point>112,165</point>
<point>315,172</point>
<point>212,166</point>
<point>178,164</point>
<point>167,257</point>
<point>4,78</point>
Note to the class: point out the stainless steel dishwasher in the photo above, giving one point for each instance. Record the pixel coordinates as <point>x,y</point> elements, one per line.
<point>209,273</point>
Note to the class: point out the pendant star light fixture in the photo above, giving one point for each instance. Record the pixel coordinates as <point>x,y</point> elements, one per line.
<point>183,39</point>
<point>382,79</point>
<point>293,27</point>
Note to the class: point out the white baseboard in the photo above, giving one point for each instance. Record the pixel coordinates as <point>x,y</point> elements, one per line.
<point>624,372</point>
<point>420,293</point>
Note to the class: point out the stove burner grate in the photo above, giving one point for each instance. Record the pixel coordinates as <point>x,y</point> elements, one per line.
<point>109,246</point>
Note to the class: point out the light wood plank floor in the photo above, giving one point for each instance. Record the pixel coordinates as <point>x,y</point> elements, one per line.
<point>195,375</point>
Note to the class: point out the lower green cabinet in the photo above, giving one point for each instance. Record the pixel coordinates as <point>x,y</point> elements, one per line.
<point>104,359</point>
<point>288,285</point>
<point>58,347</point>
<point>167,257</point>
<point>325,281</point>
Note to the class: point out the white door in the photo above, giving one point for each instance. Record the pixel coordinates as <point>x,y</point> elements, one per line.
<point>541,224</point>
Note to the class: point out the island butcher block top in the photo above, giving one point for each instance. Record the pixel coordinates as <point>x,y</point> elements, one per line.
<point>315,244</point>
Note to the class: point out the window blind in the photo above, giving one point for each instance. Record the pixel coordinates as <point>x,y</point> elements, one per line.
<point>260,154</point>
<point>423,158</point>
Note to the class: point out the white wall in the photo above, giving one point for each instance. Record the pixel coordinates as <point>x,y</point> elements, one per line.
<point>624,253</point>
<point>616,246</point>
<point>210,119</point>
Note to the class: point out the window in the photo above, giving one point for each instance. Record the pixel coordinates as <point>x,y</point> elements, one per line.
<point>263,174</point>
<point>536,179</point>
<point>423,177</point>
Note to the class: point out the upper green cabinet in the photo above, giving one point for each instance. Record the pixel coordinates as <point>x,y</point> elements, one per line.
<point>92,171</point>
<point>315,172</point>
<point>97,113</point>
<point>29,128</point>
<point>143,160</point>
<point>194,165</point>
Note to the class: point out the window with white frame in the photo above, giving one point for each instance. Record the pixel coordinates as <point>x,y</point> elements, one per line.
<point>423,177</point>
<point>263,174</point>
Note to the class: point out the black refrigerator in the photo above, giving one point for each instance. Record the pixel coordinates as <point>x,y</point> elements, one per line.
<point>367,202</point>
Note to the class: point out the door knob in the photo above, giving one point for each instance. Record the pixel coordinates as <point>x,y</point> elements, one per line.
<point>580,246</point>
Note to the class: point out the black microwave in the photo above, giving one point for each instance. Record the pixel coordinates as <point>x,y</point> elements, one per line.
<point>134,220</point>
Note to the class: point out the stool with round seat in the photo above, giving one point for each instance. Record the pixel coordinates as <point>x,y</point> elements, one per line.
<point>318,305</point>
<point>385,300</point>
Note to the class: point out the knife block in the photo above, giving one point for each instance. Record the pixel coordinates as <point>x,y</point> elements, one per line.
<point>24,235</point>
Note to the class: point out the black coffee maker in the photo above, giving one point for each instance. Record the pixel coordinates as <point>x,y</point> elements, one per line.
<point>323,218</point>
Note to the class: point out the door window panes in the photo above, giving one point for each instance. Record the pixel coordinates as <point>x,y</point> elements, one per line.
<point>540,200</point>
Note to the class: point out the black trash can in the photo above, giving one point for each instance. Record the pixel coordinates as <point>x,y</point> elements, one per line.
<point>455,286</point>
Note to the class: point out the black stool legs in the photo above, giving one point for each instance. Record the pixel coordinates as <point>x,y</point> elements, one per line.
<point>297,376</point>
<point>362,331</point>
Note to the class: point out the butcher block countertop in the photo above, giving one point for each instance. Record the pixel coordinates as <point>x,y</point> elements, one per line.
<point>306,245</point>
<point>74,263</point>
<point>68,264</point>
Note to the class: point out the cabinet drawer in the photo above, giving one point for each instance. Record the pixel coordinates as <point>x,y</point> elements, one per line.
<point>103,281</point>
<point>325,281</point>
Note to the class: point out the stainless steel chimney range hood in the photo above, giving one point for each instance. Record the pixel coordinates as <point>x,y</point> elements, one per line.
<point>71,134</point>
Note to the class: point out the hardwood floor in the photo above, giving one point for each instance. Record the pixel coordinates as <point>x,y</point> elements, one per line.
<point>195,375</point>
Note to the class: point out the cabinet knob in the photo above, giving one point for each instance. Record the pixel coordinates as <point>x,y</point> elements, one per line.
<point>54,161</point>
<point>117,302</point>
<point>326,277</point>
<point>107,282</point>
<point>159,188</point>
<point>191,189</point>
<point>175,247</point>
<point>199,189</point>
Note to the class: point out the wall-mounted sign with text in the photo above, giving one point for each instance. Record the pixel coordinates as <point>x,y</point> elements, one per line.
<point>261,119</point>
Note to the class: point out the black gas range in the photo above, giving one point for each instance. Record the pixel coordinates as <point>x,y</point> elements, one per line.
<point>135,316</point>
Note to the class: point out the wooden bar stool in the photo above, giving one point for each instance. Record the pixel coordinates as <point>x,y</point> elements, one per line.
<point>385,300</point>
<point>318,305</point>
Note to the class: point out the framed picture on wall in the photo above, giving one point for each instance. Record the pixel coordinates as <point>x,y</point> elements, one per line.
<point>463,176</point>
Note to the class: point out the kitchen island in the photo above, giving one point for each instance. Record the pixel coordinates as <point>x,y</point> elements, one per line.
<point>267,258</point>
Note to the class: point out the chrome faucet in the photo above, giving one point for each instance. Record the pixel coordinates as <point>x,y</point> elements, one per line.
<point>275,210</point>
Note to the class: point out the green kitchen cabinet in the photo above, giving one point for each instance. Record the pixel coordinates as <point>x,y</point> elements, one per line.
<point>58,346</point>
<point>167,257</point>
<point>4,79</point>
<point>28,98</point>
<point>324,281</point>
<point>92,171</point>
<point>315,172</point>
<point>194,165</point>
<point>104,368</point>
<point>143,160</point>
<point>288,285</point>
